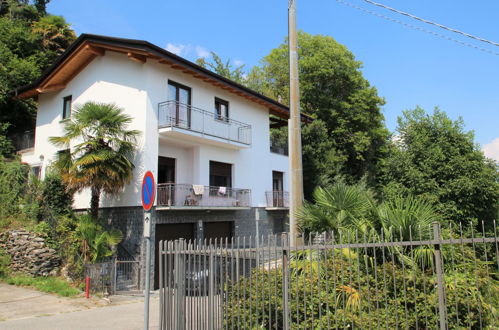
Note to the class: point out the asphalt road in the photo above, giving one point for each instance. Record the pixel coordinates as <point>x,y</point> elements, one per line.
<point>22,308</point>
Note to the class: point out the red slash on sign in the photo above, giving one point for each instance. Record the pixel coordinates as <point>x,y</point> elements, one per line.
<point>148,191</point>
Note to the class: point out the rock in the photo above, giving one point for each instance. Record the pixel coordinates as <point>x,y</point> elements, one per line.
<point>29,253</point>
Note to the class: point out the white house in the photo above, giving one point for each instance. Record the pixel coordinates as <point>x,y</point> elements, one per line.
<point>205,138</point>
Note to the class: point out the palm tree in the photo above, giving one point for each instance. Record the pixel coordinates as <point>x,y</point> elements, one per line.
<point>339,206</point>
<point>95,243</point>
<point>99,151</point>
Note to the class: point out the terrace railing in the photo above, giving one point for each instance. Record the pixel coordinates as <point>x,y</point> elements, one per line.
<point>188,195</point>
<point>277,198</point>
<point>24,140</point>
<point>181,115</point>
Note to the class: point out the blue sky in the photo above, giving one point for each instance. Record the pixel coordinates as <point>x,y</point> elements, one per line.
<point>407,66</point>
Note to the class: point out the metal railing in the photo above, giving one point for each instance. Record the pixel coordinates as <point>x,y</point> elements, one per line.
<point>278,146</point>
<point>188,195</point>
<point>127,275</point>
<point>24,140</point>
<point>181,115</point>
<point>277,198</point>
<point>416,278</point>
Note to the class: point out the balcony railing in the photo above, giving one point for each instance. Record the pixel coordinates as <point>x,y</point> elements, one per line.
<point>181,115</point>
<point>23,141</point>
<point>278,146</point>
<point>188,195</point>
<point>277,199</point>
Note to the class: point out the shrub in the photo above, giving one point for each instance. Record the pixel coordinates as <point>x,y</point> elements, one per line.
<point>351,294</point>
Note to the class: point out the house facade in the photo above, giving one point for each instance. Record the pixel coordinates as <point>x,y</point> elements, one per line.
<point>205,138</point>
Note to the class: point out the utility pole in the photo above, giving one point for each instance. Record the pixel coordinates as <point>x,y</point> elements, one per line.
<point>294,127</point>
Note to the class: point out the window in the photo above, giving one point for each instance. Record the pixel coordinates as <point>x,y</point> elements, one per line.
<point>221,109</point>
<point>66,108</point>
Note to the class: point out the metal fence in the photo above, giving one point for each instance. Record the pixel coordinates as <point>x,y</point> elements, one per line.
<point>102,277</point>
<point>113,276</point>
<point>411,278</point>
<point>185,116</point>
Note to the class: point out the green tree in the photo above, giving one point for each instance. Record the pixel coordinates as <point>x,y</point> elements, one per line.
<point>100,151</point>
<point>30,40</point>
<point>433,156</point>
<point>226,69</point>
<point>348,136</point>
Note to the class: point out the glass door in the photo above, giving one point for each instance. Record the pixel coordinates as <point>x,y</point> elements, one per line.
<point>180,108</point>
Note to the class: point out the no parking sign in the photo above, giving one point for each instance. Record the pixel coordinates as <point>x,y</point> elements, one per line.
<point>148,191</point>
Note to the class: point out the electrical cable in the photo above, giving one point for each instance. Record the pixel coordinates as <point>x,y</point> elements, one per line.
<point>433,23</point>
<point>462,43</point>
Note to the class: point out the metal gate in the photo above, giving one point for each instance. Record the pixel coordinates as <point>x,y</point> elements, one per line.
<point>401,278</point>
<point>127,275</point>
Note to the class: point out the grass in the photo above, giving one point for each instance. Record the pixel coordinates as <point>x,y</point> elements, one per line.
<point>45,284</point>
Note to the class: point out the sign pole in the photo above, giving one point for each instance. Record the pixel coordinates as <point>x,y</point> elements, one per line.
<point>147,236</point>
<point>148,196</point>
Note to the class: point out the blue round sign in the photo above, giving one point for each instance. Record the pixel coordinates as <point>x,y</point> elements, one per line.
<point>148,191</point>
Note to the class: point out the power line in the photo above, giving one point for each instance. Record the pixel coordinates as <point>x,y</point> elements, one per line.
<point>462,43</point>
<point>433,23</point>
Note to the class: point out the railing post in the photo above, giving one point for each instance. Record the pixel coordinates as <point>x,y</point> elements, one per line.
<point>169,195</point>
<point>440,278</point>
<point>285,281</point>
<point>211,290</point>
<point>179,285</point>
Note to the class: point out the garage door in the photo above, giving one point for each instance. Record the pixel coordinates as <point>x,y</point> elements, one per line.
<point>168,232</point>
<point>213,230</point>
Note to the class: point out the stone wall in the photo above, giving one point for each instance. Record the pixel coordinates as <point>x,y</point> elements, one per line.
<point>29,253</point>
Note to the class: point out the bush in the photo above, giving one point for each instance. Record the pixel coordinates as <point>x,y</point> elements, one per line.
<point>351,294</point>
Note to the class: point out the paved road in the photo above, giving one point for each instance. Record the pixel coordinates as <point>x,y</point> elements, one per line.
<point>127,316</point>
<point>22,308</point>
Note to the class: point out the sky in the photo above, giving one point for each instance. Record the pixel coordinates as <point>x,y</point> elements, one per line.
<point>408,66</point>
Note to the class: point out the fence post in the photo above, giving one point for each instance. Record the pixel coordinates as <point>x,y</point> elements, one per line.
<point>211,289</point>
<point>115,274</point>
<point>179,285</point>
<point>161,286</point>
<point>285,281</point>
<point>440,278</point>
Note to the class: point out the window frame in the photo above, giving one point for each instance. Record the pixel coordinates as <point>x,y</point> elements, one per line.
<point>65,113</point>
<point>218,112</point>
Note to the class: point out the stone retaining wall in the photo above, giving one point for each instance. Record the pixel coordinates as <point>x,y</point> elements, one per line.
<point>29,253</point>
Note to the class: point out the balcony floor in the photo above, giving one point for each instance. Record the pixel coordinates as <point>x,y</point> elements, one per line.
<point>200,138</point>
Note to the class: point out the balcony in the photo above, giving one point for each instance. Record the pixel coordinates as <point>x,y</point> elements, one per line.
<point>190,197</point>
<point>278,146</point>
<point>179,120</point>
<point>277,200</point>
<point>24,141</point>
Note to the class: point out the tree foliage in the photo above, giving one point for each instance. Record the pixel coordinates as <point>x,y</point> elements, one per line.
<point>30,40</point>
<point>433,156</point>
<point>348,135</point>
<point>225,69</point>
<point>100,150</point>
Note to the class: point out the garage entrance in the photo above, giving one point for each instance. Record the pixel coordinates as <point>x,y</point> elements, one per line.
<point>169,232</point>
<point>217,230</point>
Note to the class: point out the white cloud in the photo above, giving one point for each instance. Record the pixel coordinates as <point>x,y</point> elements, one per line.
<point>178,49</point>
<point>491,149</point>
<point>202,52</point>
<point>238,62</point>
